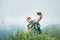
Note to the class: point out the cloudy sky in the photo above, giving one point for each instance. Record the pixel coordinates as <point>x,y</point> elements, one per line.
<point>16,11</point>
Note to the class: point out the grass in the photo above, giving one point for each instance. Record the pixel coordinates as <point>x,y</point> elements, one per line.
<point>29,36</point>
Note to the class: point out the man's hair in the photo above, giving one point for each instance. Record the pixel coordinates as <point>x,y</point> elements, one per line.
<point>28,18</point>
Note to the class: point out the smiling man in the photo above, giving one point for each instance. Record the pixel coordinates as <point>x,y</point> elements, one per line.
<point>34,24</point>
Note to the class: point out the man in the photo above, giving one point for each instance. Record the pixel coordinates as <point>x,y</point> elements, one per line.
<point>34,24</point>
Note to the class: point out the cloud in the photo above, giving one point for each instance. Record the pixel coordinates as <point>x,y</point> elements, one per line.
<point>16,11</point>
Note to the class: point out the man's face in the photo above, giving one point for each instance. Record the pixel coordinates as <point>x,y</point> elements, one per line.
<point>28,20</point>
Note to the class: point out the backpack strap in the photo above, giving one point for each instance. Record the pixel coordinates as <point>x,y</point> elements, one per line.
<point>36,25</point>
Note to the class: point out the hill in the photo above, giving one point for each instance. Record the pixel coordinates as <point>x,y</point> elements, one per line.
<point>53,30</point>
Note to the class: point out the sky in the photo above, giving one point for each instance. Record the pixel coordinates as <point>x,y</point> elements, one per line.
<point>16,11</point>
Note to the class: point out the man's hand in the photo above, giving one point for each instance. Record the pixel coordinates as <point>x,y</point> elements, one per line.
<point>40,17</point>
<point>39,13</point>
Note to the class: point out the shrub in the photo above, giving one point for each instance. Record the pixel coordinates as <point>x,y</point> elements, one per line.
<point>29,36</point>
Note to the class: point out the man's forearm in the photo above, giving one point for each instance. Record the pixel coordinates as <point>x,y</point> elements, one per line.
<point>28,29</point>
<point>39,18</point>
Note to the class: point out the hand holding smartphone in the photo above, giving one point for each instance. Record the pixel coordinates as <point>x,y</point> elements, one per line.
<point>39,13</point>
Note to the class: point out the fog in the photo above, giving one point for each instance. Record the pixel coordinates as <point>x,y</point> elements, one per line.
<point>16,11</point>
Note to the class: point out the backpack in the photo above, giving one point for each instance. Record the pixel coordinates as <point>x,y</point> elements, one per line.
<point>33,25</point>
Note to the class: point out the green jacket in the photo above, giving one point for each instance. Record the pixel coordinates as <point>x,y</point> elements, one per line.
<point>34,25</point>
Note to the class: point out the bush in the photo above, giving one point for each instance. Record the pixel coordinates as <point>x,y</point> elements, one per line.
<point>29,36</point>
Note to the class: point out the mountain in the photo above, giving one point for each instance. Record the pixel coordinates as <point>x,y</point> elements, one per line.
<point>7,30</point>
<point>53,30</point>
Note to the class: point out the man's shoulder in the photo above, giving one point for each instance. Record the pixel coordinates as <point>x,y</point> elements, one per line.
<point>33,21</point>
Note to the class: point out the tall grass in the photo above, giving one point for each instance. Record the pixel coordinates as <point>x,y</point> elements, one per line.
<point>29,36</point>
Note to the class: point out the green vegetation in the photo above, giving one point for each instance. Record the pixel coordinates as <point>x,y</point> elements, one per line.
<point>53,30</point>
<point>29,36</point>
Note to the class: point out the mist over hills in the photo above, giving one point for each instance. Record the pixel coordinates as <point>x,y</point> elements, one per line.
<point>53,30</point>
<point>6,30</point>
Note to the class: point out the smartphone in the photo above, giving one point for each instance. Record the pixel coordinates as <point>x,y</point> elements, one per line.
<point>39,13</point>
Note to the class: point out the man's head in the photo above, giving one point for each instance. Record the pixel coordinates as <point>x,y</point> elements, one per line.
<point>28,19</point>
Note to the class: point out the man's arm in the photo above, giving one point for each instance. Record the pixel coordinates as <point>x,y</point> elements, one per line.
<point>28,27</point>
<point>39,18</point>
